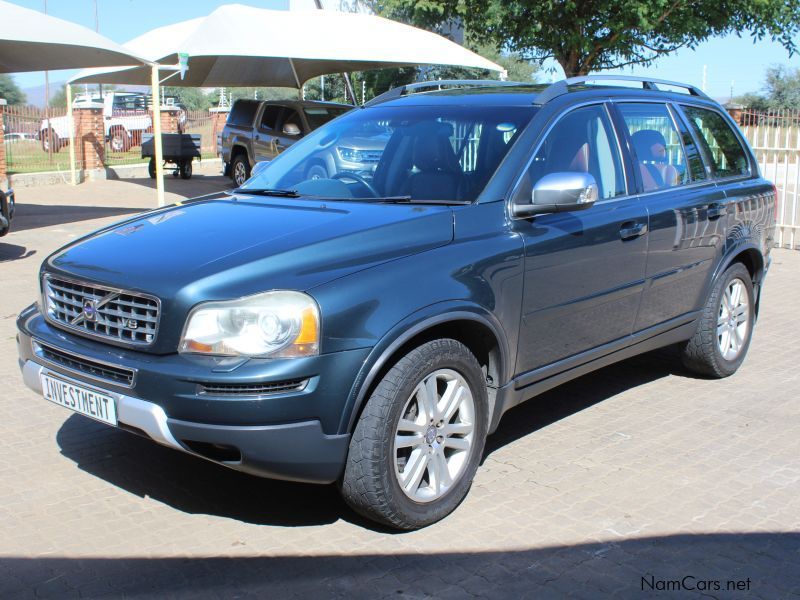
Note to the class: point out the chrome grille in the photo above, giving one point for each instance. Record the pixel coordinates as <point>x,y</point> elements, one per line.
<point>252,389</point>
<point>98,311</point>
<point>86,366</point>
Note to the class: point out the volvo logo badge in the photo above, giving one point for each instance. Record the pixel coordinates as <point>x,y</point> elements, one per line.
<point>89,311</point>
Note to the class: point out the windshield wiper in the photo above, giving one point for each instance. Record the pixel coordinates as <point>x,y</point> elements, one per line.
<point>267,192</point>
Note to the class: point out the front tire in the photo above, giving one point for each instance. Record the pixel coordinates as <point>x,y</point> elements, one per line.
<point>417,445</point>
<point>725,329</point>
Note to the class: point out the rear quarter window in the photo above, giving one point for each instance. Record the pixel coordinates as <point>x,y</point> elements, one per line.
<point>243,112</point>
<point>720,142</point>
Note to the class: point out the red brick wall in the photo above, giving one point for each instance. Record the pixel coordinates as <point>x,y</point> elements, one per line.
<point>169,120</point>
<point>90,149</point>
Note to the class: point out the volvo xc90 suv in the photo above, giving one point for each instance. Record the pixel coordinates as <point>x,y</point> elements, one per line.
<point>372,331</point>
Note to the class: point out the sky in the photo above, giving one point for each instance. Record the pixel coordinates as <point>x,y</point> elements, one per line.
<point>729,61</point>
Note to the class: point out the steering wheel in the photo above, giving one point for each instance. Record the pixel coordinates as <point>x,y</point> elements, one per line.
<point>358,179</point>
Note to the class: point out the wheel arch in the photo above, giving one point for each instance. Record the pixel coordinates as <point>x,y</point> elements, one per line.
<point>752,258</point>
<point>476,329</point>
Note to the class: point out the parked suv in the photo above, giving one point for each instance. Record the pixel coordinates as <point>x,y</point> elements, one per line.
<point>372,332</point>
<point>258,131</point>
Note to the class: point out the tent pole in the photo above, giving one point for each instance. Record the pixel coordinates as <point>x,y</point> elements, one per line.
<point>347,83</point>
<point>73,178</point>
<point>159,153</point>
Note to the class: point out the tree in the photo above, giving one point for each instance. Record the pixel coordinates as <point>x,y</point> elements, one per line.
<point>192,98</point>
<point>264,93</point>
<point>783,87</point>
<point>59,98</point>
<point>9,90</point>
<point>752,100</point>
<point>591,35</point>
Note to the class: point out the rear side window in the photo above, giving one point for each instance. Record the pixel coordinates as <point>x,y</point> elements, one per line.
<point>721,143</point>
<point>243,112</point>
<point>656,144</point>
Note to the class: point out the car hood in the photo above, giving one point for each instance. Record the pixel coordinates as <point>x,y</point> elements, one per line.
<point>230,247</point>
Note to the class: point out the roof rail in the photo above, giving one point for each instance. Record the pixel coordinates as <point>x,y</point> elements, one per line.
<point>648,83</point>
<point>402,90</point>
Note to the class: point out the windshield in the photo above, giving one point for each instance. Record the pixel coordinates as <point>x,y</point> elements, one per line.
<point>319,115</point>
<point>434,153</point>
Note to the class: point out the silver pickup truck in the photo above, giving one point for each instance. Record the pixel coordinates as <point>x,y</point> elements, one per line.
<point>260,130</point>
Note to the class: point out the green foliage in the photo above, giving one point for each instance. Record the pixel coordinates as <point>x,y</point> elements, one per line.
<point>191,98</point>
<point>59,98</point>
<point>752,100</point>
<point>261,93</point>
<point>781,90</point>
<point>9,90</point>
<point>783,87</point>
<point>586,36</point>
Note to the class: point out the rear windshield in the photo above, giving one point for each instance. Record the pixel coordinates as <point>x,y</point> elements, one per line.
<point>243,112</point>
<point>319,115</point>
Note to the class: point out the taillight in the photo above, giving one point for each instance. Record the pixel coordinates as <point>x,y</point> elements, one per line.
<point>774,203</point>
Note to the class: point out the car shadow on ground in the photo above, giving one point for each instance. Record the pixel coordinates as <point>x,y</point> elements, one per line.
<point>198,185</point>
<point>36,216</point>
<point>717,565</point>
<point>193,485</point>
<point>9,252</point>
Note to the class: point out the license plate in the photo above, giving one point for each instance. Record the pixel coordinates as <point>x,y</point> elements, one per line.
<point>86,401</point>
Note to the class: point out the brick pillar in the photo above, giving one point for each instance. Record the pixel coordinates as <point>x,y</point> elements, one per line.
<point>218,119</point>
<point>3,171</point>
<point>90,149</point>
<point>169,120</point>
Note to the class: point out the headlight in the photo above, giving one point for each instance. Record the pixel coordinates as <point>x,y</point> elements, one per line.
<point>350,154</point>
<point>274,324</point>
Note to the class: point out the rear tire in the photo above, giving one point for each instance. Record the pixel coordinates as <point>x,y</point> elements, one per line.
<point>411,461</point>
<point>151,168</point>
<point>186,169</point>
<point>119,140</point>
<point>240,169</point>
<point>723,334</point>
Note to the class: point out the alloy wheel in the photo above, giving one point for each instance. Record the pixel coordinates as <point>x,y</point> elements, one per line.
<point>733,320</point>
<point>434,436</point>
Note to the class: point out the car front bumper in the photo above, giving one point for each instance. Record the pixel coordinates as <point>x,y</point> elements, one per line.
<point>280,436</point>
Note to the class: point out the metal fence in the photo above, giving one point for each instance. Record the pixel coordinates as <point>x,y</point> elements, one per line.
<point>202,122</point>
<point>123,136</point>
<point>775,138</point>
<point>35,139</point>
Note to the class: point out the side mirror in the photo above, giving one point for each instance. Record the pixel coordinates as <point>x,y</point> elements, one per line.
<point>258,167</point>
<point>559,192</point>
<point>291,129</point>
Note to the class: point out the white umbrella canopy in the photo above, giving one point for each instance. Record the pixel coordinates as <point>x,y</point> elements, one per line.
<point>33,41</point>
<point>240,45</point>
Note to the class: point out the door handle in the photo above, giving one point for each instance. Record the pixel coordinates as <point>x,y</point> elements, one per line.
<point>631,230</point>
<point>715,211</point>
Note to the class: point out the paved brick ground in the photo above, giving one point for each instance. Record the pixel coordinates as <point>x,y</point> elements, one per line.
<point>636,471</point>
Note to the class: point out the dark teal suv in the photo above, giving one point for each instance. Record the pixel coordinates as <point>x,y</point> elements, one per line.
<point>371,329</point>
